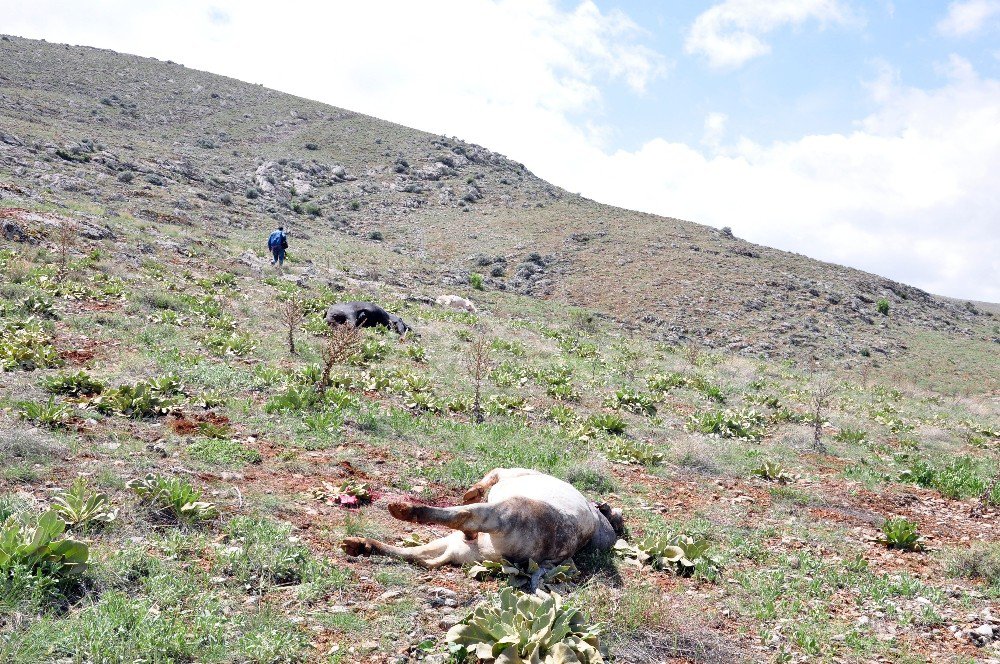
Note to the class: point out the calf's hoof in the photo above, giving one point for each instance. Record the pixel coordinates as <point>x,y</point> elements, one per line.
<point>356,546</point>
<point>475,494</point>
<point>402,511</point>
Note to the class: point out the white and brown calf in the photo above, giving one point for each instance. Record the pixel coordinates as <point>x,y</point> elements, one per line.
<point>512,513</point>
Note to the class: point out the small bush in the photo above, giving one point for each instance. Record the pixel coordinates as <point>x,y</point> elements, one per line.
<point>34,544</point>
<point>48,414</point>
<point>518,627</point>
<point>611,423</point>
<point>78,507</point>
<point>233,343</point>
<point>476,281</point>
<point>139,400</point>
<point>981,561</point>
<point>26,345</point>
<point>745,424</point>
<point>633,452</point>
<point>883,306</point>
<point>852,436</point>
<point>632,401</point>
<point>172,497</point>
<point>902,534</point>
<point>78,384</point>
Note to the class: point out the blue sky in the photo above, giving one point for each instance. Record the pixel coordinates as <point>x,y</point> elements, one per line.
<point>863,133</point>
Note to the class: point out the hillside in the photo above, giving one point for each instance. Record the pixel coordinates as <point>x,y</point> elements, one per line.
<point>175,481</point>
<point>119,135</point>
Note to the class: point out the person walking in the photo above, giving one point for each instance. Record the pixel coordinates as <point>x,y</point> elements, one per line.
<point>277,242</point>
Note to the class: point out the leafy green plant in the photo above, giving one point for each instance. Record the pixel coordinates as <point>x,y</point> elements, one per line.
<point>323,422</point>
<point>527,628</point>
<point>562,392</point>
<point>505,404</point>
<point>174,497</point>
<point>49,414</point>
<point>78,384</point>
<point>853,436</point>
<point>666,382</point>
<point>882,306</point>
<point>416,353</point>
<point>232,343</point>
<point>746,424</point>
<point>681,554</point>
<point>624,450</point>
<point>962,477</point>
<point>900,533</point>
<point>139,400</point>
<point>294,399</point>
<point>476,281</point>
<point>578,347</point>
<point>611,423</point>
<point>772,471</point>
<point>37,305</point>
<point>36,545</point>
<point>561,414</point>
<point>560,578</point>
<point>77,507</point>
<point>26,345</point>
<point>631,400</point>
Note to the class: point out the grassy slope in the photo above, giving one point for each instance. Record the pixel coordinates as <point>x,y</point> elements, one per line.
<point>265,580</point>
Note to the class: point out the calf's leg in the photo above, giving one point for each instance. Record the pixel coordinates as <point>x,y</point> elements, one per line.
<point>454,549</point>
<point>470,519</point>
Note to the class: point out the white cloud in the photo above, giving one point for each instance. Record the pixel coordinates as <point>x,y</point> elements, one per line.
<point>911,193</point>
<point>715,129</point>
<point>967,17</point>
<point>730,33</point>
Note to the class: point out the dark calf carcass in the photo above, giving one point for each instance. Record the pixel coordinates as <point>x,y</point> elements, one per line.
<point>365,314</point>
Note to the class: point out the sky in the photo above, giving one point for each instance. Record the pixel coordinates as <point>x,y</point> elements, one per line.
<point>861,133</point>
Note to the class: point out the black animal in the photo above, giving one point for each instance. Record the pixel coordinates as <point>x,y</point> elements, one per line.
<point>365,314</point>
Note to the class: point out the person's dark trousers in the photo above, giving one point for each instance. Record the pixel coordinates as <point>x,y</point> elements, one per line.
<point>279,256</point>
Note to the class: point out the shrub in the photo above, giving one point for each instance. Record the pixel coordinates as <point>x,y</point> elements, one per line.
<point>746,424</point>
<point>681,554</point>
<point>854,436</point>
<point>49,414</point>
<point>666,382</point>
<point>295,398</point>
<point>139,400</point>
<point>981,561</point>
<point>611,423</point>
<point>78,508</point>
<point>902,534</point>
<point>26,345</point>
<point>232,343</point>
<point>883,306</point>
<point>960,478</point>
<point>633,452</point>
<point>78,384</point>
<point>631,400</point>
<point>35,545</point>
<point>172,497</point>
<point>476,281</point>
<point>519,627</point>
<point>560,578</point>
<point>772,472</point>
<point>416,353</point>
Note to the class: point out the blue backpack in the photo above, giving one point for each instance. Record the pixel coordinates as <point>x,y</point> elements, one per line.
<point>276,239</point>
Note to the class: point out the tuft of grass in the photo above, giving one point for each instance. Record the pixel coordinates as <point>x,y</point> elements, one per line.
<point>223,452</point>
